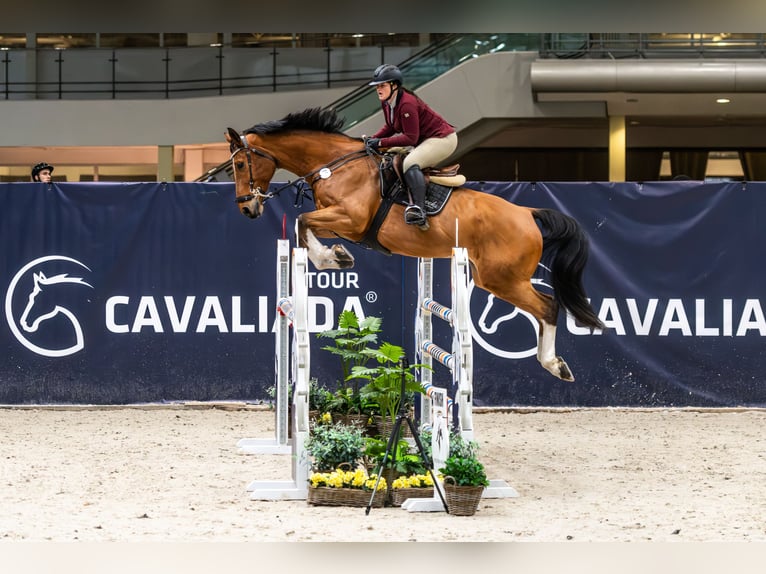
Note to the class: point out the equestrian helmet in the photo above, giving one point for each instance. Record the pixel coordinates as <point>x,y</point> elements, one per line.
<point>39,167</point>
<point>386,73</point>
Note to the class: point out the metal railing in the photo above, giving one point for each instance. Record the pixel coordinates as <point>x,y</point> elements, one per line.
<point>634,45</point>
<point>156,73</point>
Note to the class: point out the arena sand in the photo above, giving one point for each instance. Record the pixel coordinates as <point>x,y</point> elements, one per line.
<point>174,474</point>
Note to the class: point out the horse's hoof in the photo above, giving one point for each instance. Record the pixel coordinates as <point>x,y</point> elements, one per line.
<point>564,373</point>
<point>343,257</point>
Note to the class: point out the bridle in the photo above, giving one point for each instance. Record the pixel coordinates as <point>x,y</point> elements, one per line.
<point>323,172</point>
<point>254,191</point>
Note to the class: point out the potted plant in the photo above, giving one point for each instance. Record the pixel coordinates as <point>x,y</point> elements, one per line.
<point>384,386</point>
<point>344,487</point>
<point>350,340</point>
<point>331,444</point>
<point>464,483</point>
<point>401,461</point>
<point>418,485</point>
<point>320,399</point>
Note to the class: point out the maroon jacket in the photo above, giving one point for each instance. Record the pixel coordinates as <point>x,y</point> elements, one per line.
<point>413,122</point>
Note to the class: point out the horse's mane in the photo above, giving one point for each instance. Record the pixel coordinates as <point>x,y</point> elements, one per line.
<point>314,119</point>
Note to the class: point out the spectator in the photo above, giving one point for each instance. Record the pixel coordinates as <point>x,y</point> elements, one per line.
<point>42,172</point>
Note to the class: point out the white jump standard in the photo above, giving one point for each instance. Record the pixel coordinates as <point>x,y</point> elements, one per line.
<point>438,412</point>
<point>292,359</point>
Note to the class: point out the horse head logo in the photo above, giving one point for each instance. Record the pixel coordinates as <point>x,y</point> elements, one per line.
<point>501,328</point>
<point>43,304</point>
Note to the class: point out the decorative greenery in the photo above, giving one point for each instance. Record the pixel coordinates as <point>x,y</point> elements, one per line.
<point>339,478</point>
<point>331,445</point>
<point>385,379</point>
<point>401,459</point>
<point>320,397</point>
<point>350,340</point>
<point>466,471</point>
<point>458,446</point>
<point>413,481</point>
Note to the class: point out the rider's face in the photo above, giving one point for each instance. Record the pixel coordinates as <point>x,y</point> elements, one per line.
<point>45,176</point>
<point>384,90</point>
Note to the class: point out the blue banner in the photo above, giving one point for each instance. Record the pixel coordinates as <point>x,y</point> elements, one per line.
<point>127,293</point>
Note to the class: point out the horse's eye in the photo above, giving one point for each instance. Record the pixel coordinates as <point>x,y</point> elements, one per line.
<point>240,164</point>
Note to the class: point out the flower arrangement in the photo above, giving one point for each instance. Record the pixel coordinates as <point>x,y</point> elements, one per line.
<point>413,481</point>
<point>340,478</point>
<point>411,486</point>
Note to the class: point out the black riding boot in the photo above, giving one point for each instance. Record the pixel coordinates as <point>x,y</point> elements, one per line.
<point>415,214</point>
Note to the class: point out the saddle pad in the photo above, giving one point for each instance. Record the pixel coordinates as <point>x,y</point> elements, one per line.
<point>436,197</point>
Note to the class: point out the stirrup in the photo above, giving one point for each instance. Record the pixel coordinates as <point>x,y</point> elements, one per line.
<point>416,215</point>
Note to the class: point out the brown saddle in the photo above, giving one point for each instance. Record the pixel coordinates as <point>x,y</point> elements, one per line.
<point>447,175</point>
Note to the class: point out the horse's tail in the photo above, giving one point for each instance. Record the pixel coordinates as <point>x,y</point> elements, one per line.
<point>565,248</point>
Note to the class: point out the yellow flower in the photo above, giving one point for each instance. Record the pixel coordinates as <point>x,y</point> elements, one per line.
<point>370,483</point>
<point>326,418</point>
<point>400,482</point>
<point>413,481</point>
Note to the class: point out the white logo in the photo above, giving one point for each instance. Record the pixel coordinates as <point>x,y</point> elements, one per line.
<point>500,323</point>
<point>41,305</point>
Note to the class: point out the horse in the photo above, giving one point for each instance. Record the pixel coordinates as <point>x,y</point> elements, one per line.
<point>504,240</point>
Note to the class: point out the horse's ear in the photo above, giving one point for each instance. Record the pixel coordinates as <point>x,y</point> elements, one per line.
<point>233,137</point>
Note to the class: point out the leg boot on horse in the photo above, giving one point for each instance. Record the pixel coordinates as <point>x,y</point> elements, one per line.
<point>415,214</point>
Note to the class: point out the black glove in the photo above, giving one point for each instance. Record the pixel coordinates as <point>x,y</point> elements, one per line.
<point>373,144</point>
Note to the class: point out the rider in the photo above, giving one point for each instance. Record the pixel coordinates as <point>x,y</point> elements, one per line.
<point>410,122</point>
<point>42,172</point>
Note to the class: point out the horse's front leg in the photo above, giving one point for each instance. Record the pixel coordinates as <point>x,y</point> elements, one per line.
<point>323,257</point>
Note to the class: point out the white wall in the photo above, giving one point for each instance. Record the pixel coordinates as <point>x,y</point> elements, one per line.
<point>147,122</point>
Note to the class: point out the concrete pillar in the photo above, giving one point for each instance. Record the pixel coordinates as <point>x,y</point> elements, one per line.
<point>194,163</point>
<point>616,148</point>
<point>165,163</point>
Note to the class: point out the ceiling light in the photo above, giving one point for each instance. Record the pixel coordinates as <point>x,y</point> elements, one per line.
<point>722,101</point>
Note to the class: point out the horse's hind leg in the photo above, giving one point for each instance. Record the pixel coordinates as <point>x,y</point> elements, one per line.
<point>546,352</point>
<point>545,309</point>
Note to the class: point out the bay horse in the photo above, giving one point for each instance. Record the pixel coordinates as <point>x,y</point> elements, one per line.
<point>503,240</point>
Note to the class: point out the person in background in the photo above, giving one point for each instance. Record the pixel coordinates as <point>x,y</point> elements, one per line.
<point>42,172</point>
<point>409,121</point>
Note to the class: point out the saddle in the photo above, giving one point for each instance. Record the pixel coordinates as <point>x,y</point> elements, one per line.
<point>439,186</point>
<point>439,183</point>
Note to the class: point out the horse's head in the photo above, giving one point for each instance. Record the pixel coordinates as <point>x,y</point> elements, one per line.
<point>253,169</point>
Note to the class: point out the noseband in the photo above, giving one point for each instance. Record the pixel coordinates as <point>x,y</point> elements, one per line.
<point>254,191</point>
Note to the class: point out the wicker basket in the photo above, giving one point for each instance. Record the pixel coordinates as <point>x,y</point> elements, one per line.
<point>461,500</point>
<point>384,426</point>
<point>399,495</point>
<point>326,496</point>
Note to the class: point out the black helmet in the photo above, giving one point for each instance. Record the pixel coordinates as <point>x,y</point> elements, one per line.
<point>39,167</point>
<point>386,73</point>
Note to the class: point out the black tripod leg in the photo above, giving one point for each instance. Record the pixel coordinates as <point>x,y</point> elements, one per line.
<point>391,441</point>
<point>427,461</point>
